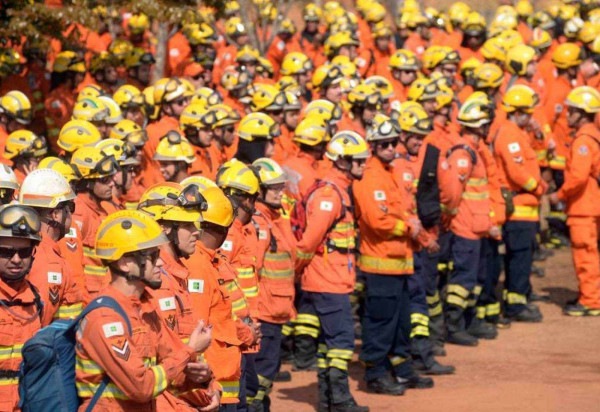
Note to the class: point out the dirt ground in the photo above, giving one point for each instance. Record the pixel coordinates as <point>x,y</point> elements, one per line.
<point>551,366</point>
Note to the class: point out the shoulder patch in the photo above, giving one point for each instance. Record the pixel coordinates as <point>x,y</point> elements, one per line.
<point>281,46</point>
<point>407,177</point>
<point>583,150</point>
<point>195,285</point>
<point>72,232</point>
<point>227,245</point>
<point>262,234</point>
<point>462,163</point>
<point>326,205</point>
<point>113,329</point>
<point>514,147</point>
<point>55,278</point>
<point>558,108</point>
<point>167,303</point>
<point>174,52</point>
<point>379,195</point>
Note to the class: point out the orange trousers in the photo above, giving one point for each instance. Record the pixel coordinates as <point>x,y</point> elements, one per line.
<point>584,246</point>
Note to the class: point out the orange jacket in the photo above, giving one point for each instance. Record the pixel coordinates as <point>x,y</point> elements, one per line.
<point>332,269</point>
<point>71,249</point>
<point>518,170</point>
<point>51,275</point>
<point>313,48</point>
<point>3,139</point>
<point>284,146</point>
<point>213,303</point>
<point>472,221</point>
<point>241,249</point>
<point>225,58</point>
<point>204,164</point>
<point>556,113</point>
<point>382,214</point>
<point>498,215</point>
<point>174,304</point>
<point>416,44</point>
<point>581,189</point>
<point>349,122</point>
<point>59,107</point>
<point>140,366</point>
<point>17,324</point>
<point>155,131</point>
<point>179,50</point>
<point>275,260</point>
<point>302,172</point>
<point>87,217</point>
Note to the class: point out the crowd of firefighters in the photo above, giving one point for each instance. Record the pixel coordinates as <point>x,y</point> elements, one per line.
<point>362,179</point>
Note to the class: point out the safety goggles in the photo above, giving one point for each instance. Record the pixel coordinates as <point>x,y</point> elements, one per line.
<point>172,137</point>
<point>191,198</point>
<point>38,147</point>
<point>306,67</point>
<point>333,74</point>
<point>279,100</point>
<point>21,220</point>
<point>137,138</point>
<point>68,206</point>
<point>424,126</point>
<point>452,57</point>
<point>23,116</point>
<point>24,252</point>
<point>147,58</point>
<point>373,99</point>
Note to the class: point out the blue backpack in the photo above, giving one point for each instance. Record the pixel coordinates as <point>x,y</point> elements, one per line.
<point>47,373</point>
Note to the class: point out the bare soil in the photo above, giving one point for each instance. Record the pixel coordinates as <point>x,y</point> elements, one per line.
<point>550,366</point>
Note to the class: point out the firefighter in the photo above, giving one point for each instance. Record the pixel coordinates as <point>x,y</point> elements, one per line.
<point>15,114</point>
<point>25,150</point>
<point>174,155</point>
<point>257,132</point>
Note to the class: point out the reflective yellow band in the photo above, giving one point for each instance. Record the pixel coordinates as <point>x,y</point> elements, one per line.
<point>530,184</point>
<point>92,270</point>
<point>525,212</point>
<point>480,312</point>
<point>231,389</point>
<point>11,352</point>
<point>558,162</point>
<point>322,348</point>
<point>513,298</point>
<point>399,228</point>
<point>306,330</point>
<point>436,310</point>
<point>308,319</point>
<point>475,195</point>
<point>89,367</point>
<point>419,331</point>
<point>432,300</point>
<point>477,182</point>
<point>87,390</point>
<point>287,330</point>
<point>160,380</point>
<point>340,364</point>
<point>397,360</point>
<point>245,273</point>
<point>250,292</point>
<point>419,318</point>
<point>456,300</point>
<point>276,274</point>
<point>477,290</point>
<point>458,290</point>
<point>493,309</point>
<point>68,311</point>
<point>321,363</point>
<point>340,353</point>
<point>303,256</point>
<point>376,264</point>
<point>9,381</point>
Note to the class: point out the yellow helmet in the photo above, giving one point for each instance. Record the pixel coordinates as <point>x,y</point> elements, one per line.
<point>382,85</point>
<point>77,133</point>
<point>18,221</point>
<point>585,98</point>
<point>120,150</point>
<point>235,28</point>
<point>91,90</point>
<point>114,111</point>
<point>572,28</point>
<point>520,97</point>
<point>59,165</point>
<point>137,57</point>
<point>127,231</point>
<point>102,61</point>
<point>91,109</point>
<point>510,38</point>
<point>469,65</point>
<point>93,163</point>
<point>193,116</point>
<point>404,59</point>
<point>138,23</point>
<point>201,33</point>
<point>232,7</point>
<point>174,148</point>
<point>445,95</point>
<point>164,201</point>
<point>150,107</point>
<point>120,48</point>
<point>45,188</point>
<point>543,20</point>
<point>233,79</point>
<point>130,132</point>
<point>168,89</point>
<point>206,96</point>
<point>423,89</point>
<point>24,143</point>
<point>524,8</point>
<point>476,111</point>
<point>488,75</point>
<point>414,119</point>
<point>8,180</point>
<point>474,24</point>
<point>312,12</point>
<point>337,41</point>
<point>247,54</point>
<point>364,94</point>
<point>292,103</point>
<point>567,55</point>
<point>237,176</point>
<point>494,49</point>
<point>435,56</point>
<point>381,29</point>
<point>457,12</point>
<point>220,209</point>
<point>269,171</point>
<point>202,182</point>
<point>383,128</point>
<point>267,97</point>
<point>345,144</point>
<point>324,109</point>
<point>311,131</point>
<point>326,75</point>
<point>68,61</point>
<point>518,58</point>
<point>375,13</point>
<point>256,126</point>
<point>589,32</point>
<point>224,115</point>
<point>295,63</point>
<point>540,39</point>
<point>16,105</point>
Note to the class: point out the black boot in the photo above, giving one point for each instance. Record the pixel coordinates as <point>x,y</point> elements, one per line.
<point>482,329</point>
<point>341,398</point>
<point>437,334</point>
<point>324,390</point>
<point>455,322</point>
<point>386,385</point>
<point>287,349</point>
<point>305,353</point>
<point>423,360</point>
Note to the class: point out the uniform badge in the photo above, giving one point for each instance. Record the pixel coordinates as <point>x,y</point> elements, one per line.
<point>326,206</point>
<point>462,163</point>
<point>196,286</point>
<point>227,245</point>
<point>379,195</point>
<point>583,150</point>
<point>262,234</point>
<point>55,278</point>
<point>514,147</point>
<point>113,329</point>
<point>167,303</point>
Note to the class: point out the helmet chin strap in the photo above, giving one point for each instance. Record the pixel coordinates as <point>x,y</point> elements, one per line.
<point>141,262</point>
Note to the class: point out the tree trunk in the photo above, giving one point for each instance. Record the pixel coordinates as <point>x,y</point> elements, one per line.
<point>162,37</point>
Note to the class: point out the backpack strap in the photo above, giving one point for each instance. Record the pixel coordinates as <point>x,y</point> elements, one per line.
<point>100,302</point>
<point>37,300</point>
<point>466,148</point>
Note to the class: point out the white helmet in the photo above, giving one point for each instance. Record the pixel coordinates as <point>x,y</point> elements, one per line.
<point>45,188</point>
<point>115,115</point>
<point>8,180</point>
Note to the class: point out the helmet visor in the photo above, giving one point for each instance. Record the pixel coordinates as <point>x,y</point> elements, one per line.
<point>22,221</point>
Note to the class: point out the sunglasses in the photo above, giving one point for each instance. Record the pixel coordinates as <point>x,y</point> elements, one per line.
<point>8,252</point>
<point>388,143</point>
<point>105,180</point>
<point>359,161</point>
<point>151,255</point>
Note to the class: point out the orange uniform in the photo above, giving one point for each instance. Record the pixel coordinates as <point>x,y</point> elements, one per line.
<point>17,324</point>
<point>581,192</point>
<point>50,274</point>
<point>241,249</point>
<point>556,113</point>
<point>71,249</point>
<point>382,215</point>
<point>156,131</point>
<point>204,164</point>
<point>302,172</point>
<point>275,260</point>
<point>325,255</point>
<point>279,48</point>
<point>416,44</point>
<point>284,146</point>
<point>225,58</point>
<point>349,122</point>
<point>174,304</point>
<point>59,107</point>
<point>519,170</point>
<point>87,217</point>
<point>140,365</point>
